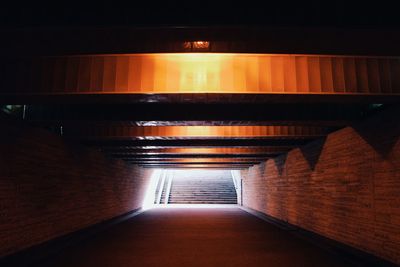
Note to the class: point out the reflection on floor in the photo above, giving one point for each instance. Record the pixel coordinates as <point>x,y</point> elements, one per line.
<point>203,236</point>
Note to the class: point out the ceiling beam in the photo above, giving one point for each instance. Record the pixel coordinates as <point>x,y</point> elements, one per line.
<point>144,149</point>
<point>292,74</point>
<point>175,156</point>
<point>198,114</point>
<point>196,151</point>
<point>204,143</point>
<point>183,166</point>
<point>233,163</point>
<point>225,39</point>
<point>202,159</point>
<point>193,132</point>
<point>199,98</point>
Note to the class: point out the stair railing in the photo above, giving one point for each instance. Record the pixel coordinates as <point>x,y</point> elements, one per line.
<point>168,191</point>
<point>158,200</point>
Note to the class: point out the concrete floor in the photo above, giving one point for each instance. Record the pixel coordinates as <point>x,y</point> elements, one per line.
<point>187,237</point>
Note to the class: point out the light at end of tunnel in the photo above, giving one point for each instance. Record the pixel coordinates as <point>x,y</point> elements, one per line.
<point>195,206</point>
<point>148,201</point>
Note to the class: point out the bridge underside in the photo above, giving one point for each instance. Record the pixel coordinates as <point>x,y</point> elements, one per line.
<point>205,105</point>
<point>306,118</point>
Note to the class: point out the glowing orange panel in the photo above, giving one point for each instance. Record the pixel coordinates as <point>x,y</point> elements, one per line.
<point>199,131</point>
<point>219,150</point>
<point>198,160</point>
<point>209,73</point>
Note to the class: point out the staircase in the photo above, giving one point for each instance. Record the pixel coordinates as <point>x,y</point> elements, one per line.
<point>202,187</point>
<point>162,188</point>
<point>162,200</point>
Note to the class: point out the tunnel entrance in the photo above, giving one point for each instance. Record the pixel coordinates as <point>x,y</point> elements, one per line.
<point>195,186</point>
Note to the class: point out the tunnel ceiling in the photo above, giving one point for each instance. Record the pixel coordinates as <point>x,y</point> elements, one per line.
<point>234,101</point>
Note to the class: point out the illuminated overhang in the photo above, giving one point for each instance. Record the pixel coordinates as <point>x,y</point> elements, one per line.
<point>188,73</point>
<point>161,114</point>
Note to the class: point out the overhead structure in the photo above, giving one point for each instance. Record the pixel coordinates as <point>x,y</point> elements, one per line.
<point>200,99</point>
<point>203,73</point>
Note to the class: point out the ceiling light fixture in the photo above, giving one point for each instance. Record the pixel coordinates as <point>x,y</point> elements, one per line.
<point>197,46</point>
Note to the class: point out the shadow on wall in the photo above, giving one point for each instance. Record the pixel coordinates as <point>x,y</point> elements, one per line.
<point>381,139</point>
<point>344,187</point>
<point>312,152</point>
<point>280,162</point>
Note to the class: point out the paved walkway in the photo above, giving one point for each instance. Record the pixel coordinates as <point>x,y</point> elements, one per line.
<point>195,237</point>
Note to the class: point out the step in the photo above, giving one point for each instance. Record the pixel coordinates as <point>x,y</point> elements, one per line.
<point>203,202</point>
<point>204,193</point>
<point>202,190</point>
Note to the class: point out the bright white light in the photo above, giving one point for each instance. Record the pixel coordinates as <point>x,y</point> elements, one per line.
<point>195,206</point>
<point>149,198</point>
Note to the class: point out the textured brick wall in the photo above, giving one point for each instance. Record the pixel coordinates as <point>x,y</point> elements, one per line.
<point>49,187</point>
<point>345,187</point>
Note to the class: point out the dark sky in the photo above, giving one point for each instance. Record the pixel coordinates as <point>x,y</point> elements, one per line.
<point>341,14</point>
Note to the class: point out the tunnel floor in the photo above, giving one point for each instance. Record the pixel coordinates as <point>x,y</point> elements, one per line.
<point>225,236</point>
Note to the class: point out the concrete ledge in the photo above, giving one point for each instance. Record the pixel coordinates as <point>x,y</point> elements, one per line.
<point>38,254</point>
<point>353,255</point>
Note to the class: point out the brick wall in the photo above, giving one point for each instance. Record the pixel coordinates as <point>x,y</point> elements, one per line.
<point>50,187</point>
<point>345,187</point>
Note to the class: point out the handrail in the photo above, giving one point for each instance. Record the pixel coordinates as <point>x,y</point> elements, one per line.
<point>168,191</point>
<point>161,188</point>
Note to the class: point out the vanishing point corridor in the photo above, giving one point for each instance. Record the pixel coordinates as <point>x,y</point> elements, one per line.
<point>175,145</point>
